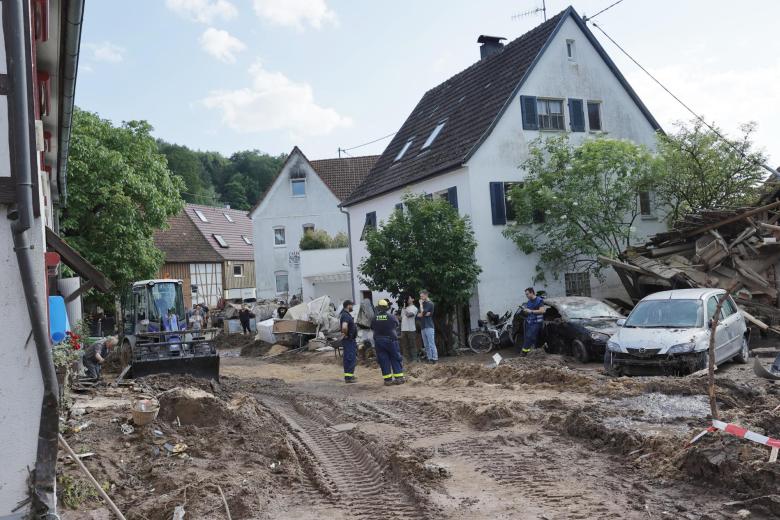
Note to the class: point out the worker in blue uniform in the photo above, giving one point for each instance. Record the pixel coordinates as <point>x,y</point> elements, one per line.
<point>349,342</point>
<point>533,310</point>
<point>388,351</point>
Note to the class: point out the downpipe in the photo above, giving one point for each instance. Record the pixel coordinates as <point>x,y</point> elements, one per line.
<point>351,263</point>
<point>44,476</point>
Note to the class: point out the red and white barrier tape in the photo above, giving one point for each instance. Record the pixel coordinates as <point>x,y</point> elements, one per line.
<point>738,431</point>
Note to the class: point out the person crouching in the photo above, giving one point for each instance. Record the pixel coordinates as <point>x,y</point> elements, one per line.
<point>96,354</point>
<point>388,352</point>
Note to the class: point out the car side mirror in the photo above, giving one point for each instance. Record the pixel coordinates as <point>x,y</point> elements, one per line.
<point>621,322</point>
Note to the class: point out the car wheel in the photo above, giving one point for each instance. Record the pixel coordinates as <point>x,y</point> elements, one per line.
<point>744,352</point>
<point>480,342</point>
<point>579,351</point>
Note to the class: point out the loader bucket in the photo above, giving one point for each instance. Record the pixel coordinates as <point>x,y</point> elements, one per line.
<point>206,366</point>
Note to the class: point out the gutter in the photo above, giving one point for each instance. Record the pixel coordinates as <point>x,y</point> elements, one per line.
<point>73,20</point>
<point>21,128</point>
<point>351,262</point>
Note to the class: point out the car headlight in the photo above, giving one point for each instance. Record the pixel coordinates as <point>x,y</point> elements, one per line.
<point>600,337</point>
<point>682,348</point>
<point>613,346</point>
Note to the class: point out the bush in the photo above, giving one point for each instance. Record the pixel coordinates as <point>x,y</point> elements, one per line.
<point>320,239</point>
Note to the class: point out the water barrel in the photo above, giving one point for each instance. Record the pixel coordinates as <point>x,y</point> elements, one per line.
<point>58,319</point>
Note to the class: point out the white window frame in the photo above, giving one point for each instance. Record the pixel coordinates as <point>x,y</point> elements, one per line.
<point>284,236</point>
<point>651,214</point>
<point>434,134</point>
<point>200,215</point>
<point>292,190</point>
<point>309,227</point>
<point>240,269</point>
<point>601,114</point>
<point>228,217</point>
<point>277,274</point>
<point>549,115</point>
<point>571,50</point>
<point>221,241</point>
<point>404,150</point>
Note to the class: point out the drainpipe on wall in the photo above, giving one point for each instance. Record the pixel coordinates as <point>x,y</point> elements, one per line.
<point>20,126</point>
<point>351,263</point>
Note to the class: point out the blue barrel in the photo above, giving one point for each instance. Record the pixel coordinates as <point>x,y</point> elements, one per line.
<point>58,319</point>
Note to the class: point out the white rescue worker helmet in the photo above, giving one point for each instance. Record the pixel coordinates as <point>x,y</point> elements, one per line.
<point>383,303</point>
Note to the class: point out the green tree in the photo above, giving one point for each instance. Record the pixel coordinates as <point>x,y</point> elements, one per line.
<point>259,170</point>
<point>425,246</point>
<point>120,192</point>
<point>701,171</point>
<point>588,196</point>
<point>235,192</point>
<point>186,164</point>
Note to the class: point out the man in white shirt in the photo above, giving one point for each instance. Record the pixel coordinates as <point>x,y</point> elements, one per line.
<point>409,331</point>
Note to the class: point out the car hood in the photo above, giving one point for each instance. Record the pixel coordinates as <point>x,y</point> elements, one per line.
<point>608,327</point>
<point>661,339</point>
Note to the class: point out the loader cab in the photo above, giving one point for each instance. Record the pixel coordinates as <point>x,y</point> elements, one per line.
<point>153,306</point>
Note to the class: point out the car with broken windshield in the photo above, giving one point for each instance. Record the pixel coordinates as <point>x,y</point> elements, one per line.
<point>670,331</point>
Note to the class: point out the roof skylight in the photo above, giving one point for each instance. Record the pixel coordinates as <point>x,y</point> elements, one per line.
<point>220,241</point>
<point>403,150</point>
<point>228,217</point>
<point>201,216</point>
<point>246,240</point>
<point>433,135</point>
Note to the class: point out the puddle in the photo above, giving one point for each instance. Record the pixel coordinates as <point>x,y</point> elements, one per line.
<point>657,413</point>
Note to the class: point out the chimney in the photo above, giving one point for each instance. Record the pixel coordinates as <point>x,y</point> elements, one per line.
<point>490,45</point>
<point>227,206</point>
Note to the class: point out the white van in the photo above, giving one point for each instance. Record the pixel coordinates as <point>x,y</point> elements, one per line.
<point>670,330</point>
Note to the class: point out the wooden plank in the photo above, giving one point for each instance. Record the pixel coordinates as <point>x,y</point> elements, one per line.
<point>670,250</point>
<point>752,319</point>
<point>81,290</point>
<point>731,220</point>
<point>621,265</point>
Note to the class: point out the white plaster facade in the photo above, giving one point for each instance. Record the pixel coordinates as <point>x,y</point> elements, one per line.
<point>505,270</point>
<point>325,272</point>
<point>280,209</point>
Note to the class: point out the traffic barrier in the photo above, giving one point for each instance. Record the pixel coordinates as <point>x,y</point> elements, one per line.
<point>742,433</point>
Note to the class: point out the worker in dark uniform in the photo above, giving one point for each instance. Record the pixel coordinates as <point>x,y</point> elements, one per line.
<point>533,310</point>
<point>388,352</point>
<point>348,343</point>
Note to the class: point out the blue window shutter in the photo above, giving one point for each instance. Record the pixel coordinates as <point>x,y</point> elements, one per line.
<point>528,108</point>
<point>576,115</point>
<point>452,196</point>
<point>497,203</point>
<point>399,206</point>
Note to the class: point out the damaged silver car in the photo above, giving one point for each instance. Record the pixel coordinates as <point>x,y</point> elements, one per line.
<point>669,332</point>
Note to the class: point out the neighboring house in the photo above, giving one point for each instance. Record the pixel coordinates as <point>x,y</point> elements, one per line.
<point>467,138</point>
<point>305,196</point>
<point>210,249</point>
<point>40,52</point>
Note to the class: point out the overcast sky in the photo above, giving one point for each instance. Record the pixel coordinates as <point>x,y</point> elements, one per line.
<point>229,75</point>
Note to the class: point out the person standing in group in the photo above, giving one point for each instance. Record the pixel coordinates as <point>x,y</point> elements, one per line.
<point>409,330</point>
<point>428,334</point>
<point>388,353</point>
<point>533,310</point>
<point>349,342</point>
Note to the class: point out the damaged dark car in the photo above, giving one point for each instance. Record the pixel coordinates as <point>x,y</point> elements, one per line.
<point>578,326</point>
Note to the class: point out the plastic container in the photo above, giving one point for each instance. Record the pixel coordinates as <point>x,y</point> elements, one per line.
<point>58,319</point>
<point>145,411</point>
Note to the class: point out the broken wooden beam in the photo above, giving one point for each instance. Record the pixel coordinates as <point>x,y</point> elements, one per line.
<point>670,250</point>
<point>731,220</point>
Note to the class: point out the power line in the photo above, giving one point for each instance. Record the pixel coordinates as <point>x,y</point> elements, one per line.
<point>586,18</point>
<point>689,109</point>
<point>368,143</point>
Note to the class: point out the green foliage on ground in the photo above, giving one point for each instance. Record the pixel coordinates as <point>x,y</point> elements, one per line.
<point>589,199</point>
<point>73,492</point>
<point>320,239</point>
<point>701,171</point>
<point>120,191</point>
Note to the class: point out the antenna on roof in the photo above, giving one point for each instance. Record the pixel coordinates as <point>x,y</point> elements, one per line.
<point>530,12</point>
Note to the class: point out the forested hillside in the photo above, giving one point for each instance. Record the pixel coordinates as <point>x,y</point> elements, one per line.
<point>213,179</point>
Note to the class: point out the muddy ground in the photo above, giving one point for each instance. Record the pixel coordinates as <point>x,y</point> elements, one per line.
<point>540,437</point>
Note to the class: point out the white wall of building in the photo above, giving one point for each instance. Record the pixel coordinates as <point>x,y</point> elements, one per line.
<point>325,272</point>
<point>280,208</point>
<point>21,386</point>
<point>505,270</point>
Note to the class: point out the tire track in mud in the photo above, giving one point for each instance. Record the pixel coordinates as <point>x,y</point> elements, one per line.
<point>340,469</point>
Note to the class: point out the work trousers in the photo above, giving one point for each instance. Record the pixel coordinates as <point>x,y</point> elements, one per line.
<point>531,333</point>
<point>409,345</point>
<point>92,367</point>
<point>245,327</point>
<point>349,355</point>
<point>388,354</point>
<point>429,342</point>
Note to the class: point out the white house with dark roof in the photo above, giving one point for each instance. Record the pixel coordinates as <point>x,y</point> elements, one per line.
<point>305,196</point>
<point>467,137</point>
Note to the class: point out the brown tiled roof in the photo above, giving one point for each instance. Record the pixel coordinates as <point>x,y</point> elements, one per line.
<point>343,175</point>
<point>191,240</point>
<point>469,103</point>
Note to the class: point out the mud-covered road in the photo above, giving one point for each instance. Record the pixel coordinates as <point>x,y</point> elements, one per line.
<point>539,437</point>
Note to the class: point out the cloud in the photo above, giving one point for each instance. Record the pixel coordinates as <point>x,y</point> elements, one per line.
<point>221,44</point>
<point>106,52</point>
<point>295,13</point>
<point>203,11</point>
<point>274,102</point>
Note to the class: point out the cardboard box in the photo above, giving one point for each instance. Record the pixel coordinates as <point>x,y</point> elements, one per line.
<point>299,326</point>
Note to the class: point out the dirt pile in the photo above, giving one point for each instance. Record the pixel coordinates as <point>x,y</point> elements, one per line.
<point>491,415</point>
<point>505,374</point>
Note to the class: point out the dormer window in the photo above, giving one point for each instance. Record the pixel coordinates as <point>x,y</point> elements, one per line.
<point>228,217</point>
<point>570,50</point>
<point>403,150</point>
<point>201,216</point>
<point>428,142</point>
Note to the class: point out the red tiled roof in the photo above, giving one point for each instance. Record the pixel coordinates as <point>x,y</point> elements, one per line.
<point>191,240</point>
<point>345,174</point>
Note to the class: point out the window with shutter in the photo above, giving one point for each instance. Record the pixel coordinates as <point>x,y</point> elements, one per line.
<point>529,114</point>
<point>576,115</point>
<point>452,196</point>
<point>497,203</point>
<point>369,225</point>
